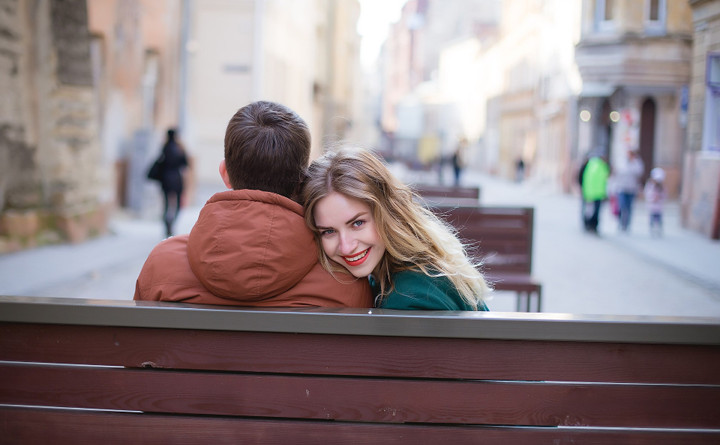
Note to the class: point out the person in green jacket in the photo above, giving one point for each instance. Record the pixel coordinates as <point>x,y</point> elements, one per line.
<point>594,191</point>
<point>367,222</point>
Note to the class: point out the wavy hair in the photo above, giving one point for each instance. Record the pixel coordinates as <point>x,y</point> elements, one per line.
<point>414,237</point>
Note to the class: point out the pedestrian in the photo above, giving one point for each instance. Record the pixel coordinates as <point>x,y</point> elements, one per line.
<point>250,245</point>
<point>369,223</point>
<point>626,180</point>
<point>174,161</point>
<point>519,170</point>
<point>458,161</point>
<point>594,191</point>
<point>655,198</point>
<point>581,172</point>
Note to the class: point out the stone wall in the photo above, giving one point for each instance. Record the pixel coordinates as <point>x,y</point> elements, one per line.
<point>49,149</point>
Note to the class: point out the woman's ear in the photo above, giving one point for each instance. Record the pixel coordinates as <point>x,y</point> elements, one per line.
<point>224,174</point>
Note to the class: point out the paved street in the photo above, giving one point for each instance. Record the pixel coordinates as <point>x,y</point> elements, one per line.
<point>614,273</point>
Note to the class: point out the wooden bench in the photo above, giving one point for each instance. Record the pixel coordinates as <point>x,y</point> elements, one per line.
<point>448,195</point>
<point>503,237</point>
<point>123,372</point>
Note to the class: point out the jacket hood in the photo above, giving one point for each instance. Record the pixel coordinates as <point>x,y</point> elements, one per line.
<point>250,245</point>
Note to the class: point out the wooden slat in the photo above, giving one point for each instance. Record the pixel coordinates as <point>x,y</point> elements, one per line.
<point>502,236</point>
<point>362,399</point>
<point>20,426</point>
<point>434,191</point>
<point>361,355</point>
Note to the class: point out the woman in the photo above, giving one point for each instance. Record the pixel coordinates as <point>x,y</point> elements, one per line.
<point>174,162</point>
<point>371,224</point>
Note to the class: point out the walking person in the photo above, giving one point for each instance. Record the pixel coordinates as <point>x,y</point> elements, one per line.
<point>171,179</point>
<point>626,180</point>
<point>655,198</point>
<point>458,160</point>
<point>594,191</point>
<point>519,170</point>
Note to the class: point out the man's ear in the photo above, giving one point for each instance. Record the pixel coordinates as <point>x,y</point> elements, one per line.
<point>224,174</point>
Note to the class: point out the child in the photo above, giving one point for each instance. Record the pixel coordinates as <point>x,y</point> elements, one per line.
<point>368,222</point>
<point>655,198</point>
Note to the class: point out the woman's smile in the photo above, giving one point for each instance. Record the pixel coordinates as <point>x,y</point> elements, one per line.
<point>358,259</point>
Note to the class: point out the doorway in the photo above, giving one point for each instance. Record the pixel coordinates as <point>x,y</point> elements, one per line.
<point>647,135</point>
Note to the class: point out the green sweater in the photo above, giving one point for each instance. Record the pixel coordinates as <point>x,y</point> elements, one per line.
<point>415,290</point>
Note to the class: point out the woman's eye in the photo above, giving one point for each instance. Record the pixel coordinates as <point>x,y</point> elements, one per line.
<point>326,232</point>
<point>358,223</point>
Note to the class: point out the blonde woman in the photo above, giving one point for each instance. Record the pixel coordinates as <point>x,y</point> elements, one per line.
<point>368,222</point>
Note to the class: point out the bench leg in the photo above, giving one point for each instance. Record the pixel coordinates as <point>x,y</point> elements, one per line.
<point>526,298</point>
<point>520,298</point>
<point>539,299</point>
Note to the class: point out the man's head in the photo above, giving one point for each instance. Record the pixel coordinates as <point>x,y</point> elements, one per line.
<point>267,147</point>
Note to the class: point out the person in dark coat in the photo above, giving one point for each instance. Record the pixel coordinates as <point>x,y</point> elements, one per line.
<point>175,161</point>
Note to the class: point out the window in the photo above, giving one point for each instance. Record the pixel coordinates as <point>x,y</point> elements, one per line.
<point>711,124</point>
<point>655,15</point>
<point>605,11</point>
<point>713,70</point>
<point>608,10</point>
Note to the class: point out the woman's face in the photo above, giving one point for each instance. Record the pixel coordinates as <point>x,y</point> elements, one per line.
<point>348,233</point>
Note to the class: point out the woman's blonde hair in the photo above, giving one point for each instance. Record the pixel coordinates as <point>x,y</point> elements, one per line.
<point>414,237</point>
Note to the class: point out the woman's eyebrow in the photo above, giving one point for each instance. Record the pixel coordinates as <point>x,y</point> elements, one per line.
<point>355,217</point>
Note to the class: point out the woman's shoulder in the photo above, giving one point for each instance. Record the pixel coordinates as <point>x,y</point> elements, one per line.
<point>413,289</point>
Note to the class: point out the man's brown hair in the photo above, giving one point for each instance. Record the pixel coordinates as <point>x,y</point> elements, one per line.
<point>267,147</point>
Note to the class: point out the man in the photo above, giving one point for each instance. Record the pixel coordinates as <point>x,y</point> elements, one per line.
<point>250,245</point>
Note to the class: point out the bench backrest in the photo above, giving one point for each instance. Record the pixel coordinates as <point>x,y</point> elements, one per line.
<point>174,373</point>
<point>501,236</point>
<point>448,195</point>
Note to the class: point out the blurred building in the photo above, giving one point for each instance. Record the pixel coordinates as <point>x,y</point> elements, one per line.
<point>53,175</point>
<point>557,80</point>
<point>531,101</point>
<point>634,58</point>
<point>701,175</point>
<point>136,59</point>
<point>302,53</point>
<point>91,86</point>
<point>501,75</point>
<point>418,119</point>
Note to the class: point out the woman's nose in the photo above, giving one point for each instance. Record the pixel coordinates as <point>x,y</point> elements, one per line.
<point>348,244</point>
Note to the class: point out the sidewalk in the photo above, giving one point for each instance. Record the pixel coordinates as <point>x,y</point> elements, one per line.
<point>617,272</point>
<point>630,274</point>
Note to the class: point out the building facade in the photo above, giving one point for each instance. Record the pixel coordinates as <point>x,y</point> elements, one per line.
<point>700,201</point>
<point>634,59</point>
<point>420,118</point>
<point>304,54</point>
<point>91,86</point>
